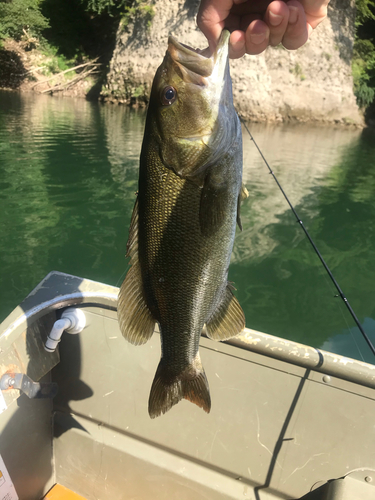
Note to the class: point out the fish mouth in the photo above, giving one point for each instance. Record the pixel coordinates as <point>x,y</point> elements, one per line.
<point>194,66</point>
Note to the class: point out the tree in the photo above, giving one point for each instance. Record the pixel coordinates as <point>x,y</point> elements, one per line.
<point>20,16</point>
<point>364,53</point>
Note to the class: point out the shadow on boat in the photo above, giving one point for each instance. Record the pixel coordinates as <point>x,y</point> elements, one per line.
<point>26,425</point>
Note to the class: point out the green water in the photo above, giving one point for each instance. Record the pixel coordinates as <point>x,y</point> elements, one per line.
<point>68,174</point>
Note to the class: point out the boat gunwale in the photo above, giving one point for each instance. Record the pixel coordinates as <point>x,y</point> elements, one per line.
<point>105,296</point>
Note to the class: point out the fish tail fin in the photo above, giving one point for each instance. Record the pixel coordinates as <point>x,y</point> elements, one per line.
<point>168,389</point>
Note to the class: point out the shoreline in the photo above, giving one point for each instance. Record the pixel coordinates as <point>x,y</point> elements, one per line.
<point>26,73</point>
<point>142,107</point>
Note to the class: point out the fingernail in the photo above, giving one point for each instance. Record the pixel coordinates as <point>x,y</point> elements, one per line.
<point>293,15</point>
<point>275,19</point>
<point>257,39</point>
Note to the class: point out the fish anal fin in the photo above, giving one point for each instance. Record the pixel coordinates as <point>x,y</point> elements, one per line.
<point>168,388</point>
<point>228,320</point>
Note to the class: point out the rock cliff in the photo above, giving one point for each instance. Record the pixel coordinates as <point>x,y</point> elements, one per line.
<point>313,83</point>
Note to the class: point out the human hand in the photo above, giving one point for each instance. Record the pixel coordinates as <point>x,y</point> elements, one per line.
<point>255,24</point>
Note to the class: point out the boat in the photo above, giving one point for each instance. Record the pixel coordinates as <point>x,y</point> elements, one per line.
<point>288,421</point>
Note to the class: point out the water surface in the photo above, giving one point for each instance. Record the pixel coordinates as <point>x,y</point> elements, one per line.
<point>68,174</point>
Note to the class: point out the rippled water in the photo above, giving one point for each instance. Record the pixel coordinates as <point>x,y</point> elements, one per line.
<point>68,173</point>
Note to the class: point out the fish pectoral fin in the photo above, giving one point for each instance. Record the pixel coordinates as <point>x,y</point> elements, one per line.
<point>213,207</point>
<point>244,193</point>
<point>228,320</point>
<point>134,317</point>
<point>168,388</point>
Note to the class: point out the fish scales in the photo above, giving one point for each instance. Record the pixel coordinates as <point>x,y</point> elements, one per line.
<point>182,233</point>
<point>184,272</point>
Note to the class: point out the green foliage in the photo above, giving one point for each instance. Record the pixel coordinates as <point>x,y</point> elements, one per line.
<point>111,7</point>
<point>20,16</point>
<point>139,92</point>
<point>54,62</point>
<point>297,71</point>
<point>56,65</point>
<point>82,28</point>
<point>365,11</point>
<point>363,63</point>
<point>128,10</point>
<point>364,94</point>
<point>138,11</point>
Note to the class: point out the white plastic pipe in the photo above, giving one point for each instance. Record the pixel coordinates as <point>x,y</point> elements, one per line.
<point>72,321</point>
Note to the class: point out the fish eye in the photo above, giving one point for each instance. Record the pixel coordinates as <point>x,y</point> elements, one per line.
<point>168,95</point>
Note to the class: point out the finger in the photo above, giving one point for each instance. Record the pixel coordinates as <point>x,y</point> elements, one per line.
<point>316,11</point>
<point>257,37</point>
<point>276,17</point>
<point>237,41</point>
<point>213,15</point>
<point>211,18</point>
<point>250,6</point>
<point>237,47</point>
<point>297,32</point>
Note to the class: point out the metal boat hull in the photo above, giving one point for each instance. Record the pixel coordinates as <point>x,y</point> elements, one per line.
<point>286,419</point>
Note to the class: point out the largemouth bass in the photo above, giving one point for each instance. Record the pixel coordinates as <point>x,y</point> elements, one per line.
<point>184,220</point>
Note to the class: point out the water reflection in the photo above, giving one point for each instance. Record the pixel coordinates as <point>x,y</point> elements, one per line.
<point>60,207</point>
<point>301,157</point>
<point>345,340</point>
<point>285,288</point>
<point>68,173</point>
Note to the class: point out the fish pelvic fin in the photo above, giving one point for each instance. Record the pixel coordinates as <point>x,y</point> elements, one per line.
<point>168,389</point>
<point>228,320</point>
<point>134,317</point>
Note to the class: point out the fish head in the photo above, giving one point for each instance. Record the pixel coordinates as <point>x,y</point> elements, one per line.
<point>191,101</point>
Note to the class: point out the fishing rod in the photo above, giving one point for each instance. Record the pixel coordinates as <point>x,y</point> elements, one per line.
<point>340,292</point>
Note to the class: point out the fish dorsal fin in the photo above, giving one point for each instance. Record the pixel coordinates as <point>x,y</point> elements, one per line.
<point>135,320</point>
<point>244,193</point>
<point>228,320</point>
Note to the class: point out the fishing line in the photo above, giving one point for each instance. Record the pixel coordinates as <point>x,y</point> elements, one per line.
<point>339,305</point>
<point>337,286</point>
